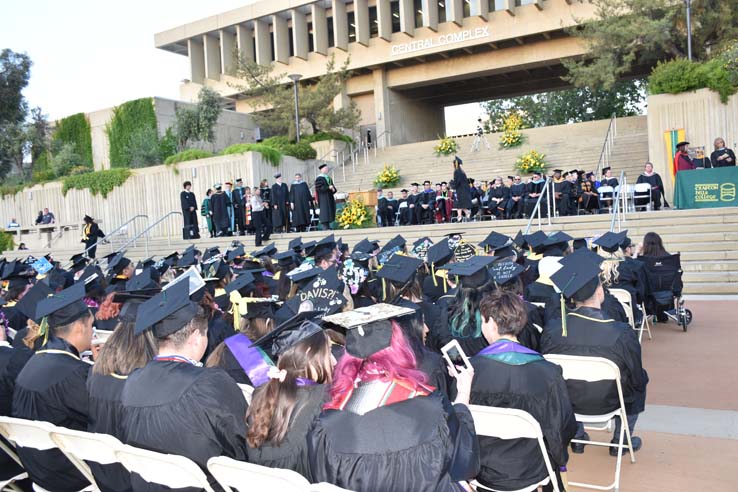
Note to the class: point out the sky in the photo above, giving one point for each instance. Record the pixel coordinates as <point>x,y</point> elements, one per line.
<point>91,55</point>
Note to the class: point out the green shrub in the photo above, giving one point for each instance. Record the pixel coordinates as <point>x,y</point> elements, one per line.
<point>11,189</point>
<point>276,142</point>
<point>44,176</point>
<point>320,136</point>
<point>6,241</point>
<point>167,145</point>
<point>676,76</point>
<point>143,148</point>
<point>132,122</point>
<point>64,159</point>
<point>99,182</point>
<point>188,155</point>
<point>302,151</point>
<point>75,131</point>
<point>272,155</point>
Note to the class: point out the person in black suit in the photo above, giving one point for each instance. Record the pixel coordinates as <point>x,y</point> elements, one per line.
<point>189,212</point>
<point>722,156</point>
<point>91,234</point>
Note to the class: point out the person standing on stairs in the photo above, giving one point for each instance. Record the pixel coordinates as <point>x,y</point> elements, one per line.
<point>325,189</point>
<point>189,213</point>
<point>460,183</point>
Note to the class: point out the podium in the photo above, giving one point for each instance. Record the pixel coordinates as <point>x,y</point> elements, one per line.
<point>706,188</point>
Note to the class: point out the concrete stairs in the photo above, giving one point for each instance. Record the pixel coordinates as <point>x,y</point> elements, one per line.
<point>707,240</point>
<point>574,146</point>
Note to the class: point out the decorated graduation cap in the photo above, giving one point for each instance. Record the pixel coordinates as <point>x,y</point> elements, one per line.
<point>28,305</point>
<point>295,244</point>
<point>325,246</point>
<point>235,253</point>
<point>394,245</point>
<point>145,280</point>
<point>64,307</point>
<point>505,272</point>
<point>611,241</point>
<point>473,272</point>
<point>210,252</point>
<point>167,312</point>
<point>355,271</point>
<point>215,270</point>
<point>420,247</point>
<point>291,332</point>
<point>556,244</point>
<point>495,241</point>
<point>303,273</point>
<point>368,329</point>
<point>324,291</point>
<point>268,250</point>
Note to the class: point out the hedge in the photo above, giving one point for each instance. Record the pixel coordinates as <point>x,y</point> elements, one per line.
<point>188,155</point>
<point>676,76</point>
<point>272,155</point>
<point>75,130</point>
<point>302,150</point>
<point>99,182</point>
<point>320,136</point>
<point>6,241</point>
<point>129,119</point>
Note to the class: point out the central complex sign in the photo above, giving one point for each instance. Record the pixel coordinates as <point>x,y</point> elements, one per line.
<point>442,40</point>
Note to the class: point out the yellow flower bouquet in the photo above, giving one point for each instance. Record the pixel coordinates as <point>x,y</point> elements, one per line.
<point>530,162</point>
<point>354,216</point>
<point>389,176</point>
<point>511,136</point>
<point>446,146</point>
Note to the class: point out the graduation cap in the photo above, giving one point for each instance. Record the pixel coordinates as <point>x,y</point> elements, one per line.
<point>626,242</point>
<point>495,241</point>
<point>677,146</point>
<point>29,303</point>
<point>364,246</point>
<point>236,253</point>
<point>557,171</point>
<point>171,259</point>
<point>577,280</point>
<point>420,247</point>
<point>286,259</point>
<point>579,243</point>
<point>147,263</point>
<point>324,246</point>
<point>355,271</point>
<point>536,241</point>
<point>605,169</point>
<point>611,241</point>
<point>58,279</point>
<point>79,261</point>
<point>64,307</point>
<point>473,272</point>
<point>109,257</point>
<point>457,160</point>
<point>267,250</point>
<point>167,312</point>
<point>399,269</point>
<point>519,240</point>
<point>463,250</point>
<point>324,290</point>
<point>439,253</point>
<point>582,254</point>
<point>291,332</point>
<point>144,280</point>
<point>241,282</point>
<point>397,243</point>
<point>262,308</point>
<point>215,270</point>
<point>295,244</point>
<point>209,253</point>
<point>504,272</point>
<point>368,329</point>
<point>309,248</point>
<point>118,263</point>
<point>556,244</point>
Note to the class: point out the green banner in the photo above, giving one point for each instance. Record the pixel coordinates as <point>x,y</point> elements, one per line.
<point>706,188</point>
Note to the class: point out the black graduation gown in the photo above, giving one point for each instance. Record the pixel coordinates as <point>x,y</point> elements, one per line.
<point>530,201</point>
<point>516,190</point>
<point>280,198</point>
<point>609,182</point>
<point>187,200</point>
<point>503,194</point>
<point>105,415</point>
<point>434,365</point>
<point>178,408</point>
<point>724,162</point>
<point>460,183</point>
<point>220,204</point>
<point>302,200</point>
<point>12,361</point>
<point>657,190</point>
<point>326,200</point>
<point>218,330</point>
<point>15,319</point>
<point>425,215</point>
<point>537,387</point>
<point>610,306</point>
<point>51,387</point>
<point>91,237</point>
<point>423,443</point>
<point>408,214</point>
<point>591,333</point>
<point>562,190</point>
<point>292,452</point>
<point>530,336</point>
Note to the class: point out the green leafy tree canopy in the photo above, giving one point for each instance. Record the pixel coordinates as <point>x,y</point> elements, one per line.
<point>197,124</point>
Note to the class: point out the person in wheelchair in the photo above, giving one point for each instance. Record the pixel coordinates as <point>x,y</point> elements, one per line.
<point>586,330</point>
<point>664,276</point>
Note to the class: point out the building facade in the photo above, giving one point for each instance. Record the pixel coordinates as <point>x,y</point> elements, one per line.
<point>409,58</point>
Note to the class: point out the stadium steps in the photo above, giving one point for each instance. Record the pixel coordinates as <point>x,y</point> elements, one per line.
<point>707,240</point>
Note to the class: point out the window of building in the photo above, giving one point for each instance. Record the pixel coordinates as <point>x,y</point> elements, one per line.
<point>395,8</point>
<point>418,9</point>
<point>441,11</point>
<point>311,43</point>
<point>519,3</point>
<point>351,26</point>
<point>467,8</point>
<point>290,34</point>
<point>271,46</point>
<point>331,40</point>
<point>373,23</point>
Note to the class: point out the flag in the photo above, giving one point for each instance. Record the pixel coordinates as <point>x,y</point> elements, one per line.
<point>671,139</point>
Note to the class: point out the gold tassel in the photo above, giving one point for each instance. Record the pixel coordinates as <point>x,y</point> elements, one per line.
<point>44,330</point>
<point>433,274</point>
<point>563,315</point>
<point>236,302</point>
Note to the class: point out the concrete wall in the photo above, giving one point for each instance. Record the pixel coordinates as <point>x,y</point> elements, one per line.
<point>152,191</point>
<point>100,143</point>
<point>703,118</point>
<point>413,121</point>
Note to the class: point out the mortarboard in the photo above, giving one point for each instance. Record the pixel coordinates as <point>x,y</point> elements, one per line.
<point>187,260</point>
<point>579,243</point>
<point>556,244</point>
<point>324,290</point>
<point>605,169</point>
<point>289,333</point>
<point>439,253</point>
<point>29,303</point>
<point>495,241</point>
<point>240,283</point>
<point>420,247</point>
<point>610,241</point>
<point>304,272</point>
<point>399,269</point>
<point>118,263</point>
<point>325,246</point>
<point>262,308</point>
<point>364,246</point>
<point>286,259</point>
<point>167,312</point>
<point>79,261</point>
<point>503,272</point>
<point>577,280</point>
<point>677,146</point>
<point>144,281</point>
<point>368,329</point>
<point>473,272</point>
<point>209,253</point>
<point>309,248</point>
<point>64,307</point>
<point>397,243</point>
<point>215,270</point>
<point>506,252</point>
<point>536,241</point>
<point>559,171</point>
<point>457,160</point>
<point>519,240</point>
<point>235,253</point>
<point>267,250</point>
<point>626,242</point>
<point>295,244</point>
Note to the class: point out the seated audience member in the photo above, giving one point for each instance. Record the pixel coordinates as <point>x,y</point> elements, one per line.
<point>617,272</point>
<point>498,196</point>
<point>51,387</point>
<point>517,196</point>
<point>392,205</point>
<point>47,217</point>
<point>657,187</point>
<point>122,353</point>
<point>722,156</point>
<point>653,247</point>
<point>510,375</point>
<point>587,331</point>
<point>383,427</point>
<point>13,224</point>
<point>426,204</point>
<point>507,279</point>
<point>589,200</point>
<point>384,215</point>
<point>283,410</point>
<point>173,405</point>
<point>534,189</point>
<point>608,179</point>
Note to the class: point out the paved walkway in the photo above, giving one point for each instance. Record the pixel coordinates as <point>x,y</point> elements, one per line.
<point>690,426</point>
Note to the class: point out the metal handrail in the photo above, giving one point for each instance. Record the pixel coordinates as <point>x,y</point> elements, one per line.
<point>607,145</point>
<point>145,231</point>
<point>384,143</point>
<point>537,208</point>
<point>616,212</point>
<point>111,234</point>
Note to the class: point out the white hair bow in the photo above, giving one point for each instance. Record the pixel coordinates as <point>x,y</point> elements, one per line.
<point>275,373</point>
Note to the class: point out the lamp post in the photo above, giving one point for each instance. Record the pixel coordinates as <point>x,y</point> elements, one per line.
<point>689,29</point>
<point>294,77</point>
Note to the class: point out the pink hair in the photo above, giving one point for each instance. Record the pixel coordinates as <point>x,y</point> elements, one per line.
<point>395,362</point>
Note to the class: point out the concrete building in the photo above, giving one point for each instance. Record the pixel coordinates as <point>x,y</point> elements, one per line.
<point>409,58</point>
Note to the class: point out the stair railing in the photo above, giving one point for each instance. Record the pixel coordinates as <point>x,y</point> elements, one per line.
<point>618,213</point>
<point>537,209</point>
<point>381,141</point>
<point>607,145</point>
<point>145,233</point>
<point>109,236</point>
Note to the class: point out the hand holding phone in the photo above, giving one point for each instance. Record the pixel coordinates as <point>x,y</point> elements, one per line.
<point>456,358</point>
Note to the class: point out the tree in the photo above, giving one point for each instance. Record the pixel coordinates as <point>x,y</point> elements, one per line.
<point>628,33</point>
<point>15,72</point>
<point>197,124</point>
<point>273,100</point>
<point>570,105</point>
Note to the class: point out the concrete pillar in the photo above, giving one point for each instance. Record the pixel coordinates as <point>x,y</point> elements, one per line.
<point>509,6</point>
<point>361,19</point>
<point>381,103</point>
<point>407,17</point>
<point>479,8</point>
<point>227,51</point>
<point>263,44</point>
<point>340,25</point>
<point>197,60</point>
<point>320,29</point>
<point>281,39</point>
<point>384,19</point>
<point>300,34</point>
<point>455,11</point>
<point>245,40</point>
<point>430,14</point>
<point>212,57</point>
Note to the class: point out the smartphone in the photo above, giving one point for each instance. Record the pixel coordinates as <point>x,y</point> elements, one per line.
<point>455,357</point>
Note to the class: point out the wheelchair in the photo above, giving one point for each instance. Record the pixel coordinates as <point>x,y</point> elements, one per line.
<point>665,300</point>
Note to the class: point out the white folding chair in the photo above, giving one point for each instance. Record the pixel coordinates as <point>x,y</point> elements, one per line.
<point>593,369</point>
<point>509,423</point>
<point>87,446</point>
<point>641,191</point>
<point>247,391</point>
<point>9,484</point>
<point>606,194</point>
<point>625,299</point>
<point>239,475</point>
<point>36,434</point>
<point>173,471</point>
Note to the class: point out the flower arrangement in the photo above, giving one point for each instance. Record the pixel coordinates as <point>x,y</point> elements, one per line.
<point>388,176</point>
<point>354,215</point>
<point>446,146</point>
<point>511,136</point>
<point>532,161</point>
